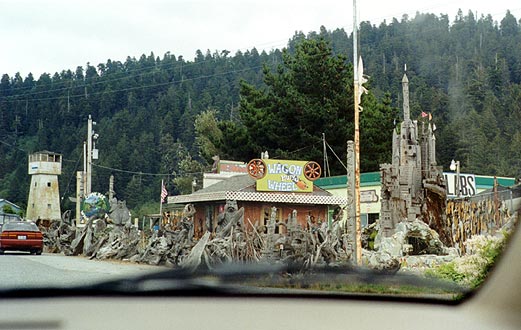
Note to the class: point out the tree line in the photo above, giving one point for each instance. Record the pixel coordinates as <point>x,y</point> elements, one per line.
<point>165,117</point>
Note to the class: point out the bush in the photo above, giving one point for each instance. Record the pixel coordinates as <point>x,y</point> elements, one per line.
<point>472,268</point>
<point>446,272</point>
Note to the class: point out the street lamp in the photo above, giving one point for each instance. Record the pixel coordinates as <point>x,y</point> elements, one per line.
<point>454,166</point>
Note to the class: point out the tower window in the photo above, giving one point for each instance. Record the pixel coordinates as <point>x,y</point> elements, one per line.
<point>48,184</point>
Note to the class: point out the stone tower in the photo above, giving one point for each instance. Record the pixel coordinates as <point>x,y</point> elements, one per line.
<point>413,186</point>
<point>44,196</point>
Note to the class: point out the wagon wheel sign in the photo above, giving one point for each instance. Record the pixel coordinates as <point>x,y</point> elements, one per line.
<point>257,168</point>
<point>312,171</point>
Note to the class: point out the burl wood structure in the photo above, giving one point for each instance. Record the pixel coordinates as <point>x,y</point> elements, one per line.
<point>314,207</point>
<point>413,186</point>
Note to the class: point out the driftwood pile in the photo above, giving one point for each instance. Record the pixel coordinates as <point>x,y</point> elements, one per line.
<point>469,218</point>
<point>236,239</point>
<point>233,239</point>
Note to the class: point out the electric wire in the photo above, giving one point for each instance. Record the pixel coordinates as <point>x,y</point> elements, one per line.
<point>13,146</point>
<point>338,158</point>
<point>143,173</point>
<point>81,95</point>
<point>125,73</point>
<point>25,96</point>
<point>161,65</point>
<point>71,177</point>
<point>182,174</point>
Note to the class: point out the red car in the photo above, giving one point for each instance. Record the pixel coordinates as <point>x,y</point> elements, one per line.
<point>21,236</point>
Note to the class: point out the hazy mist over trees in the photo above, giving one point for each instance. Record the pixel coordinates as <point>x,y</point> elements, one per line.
<point>168,115</point>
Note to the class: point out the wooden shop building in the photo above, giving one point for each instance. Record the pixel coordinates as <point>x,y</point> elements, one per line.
<point>257,187</point>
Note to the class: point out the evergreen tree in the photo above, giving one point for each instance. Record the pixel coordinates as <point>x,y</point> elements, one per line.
<point>466,73</point>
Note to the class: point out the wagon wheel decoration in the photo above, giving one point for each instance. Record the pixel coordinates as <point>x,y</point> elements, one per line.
<point>312,171</point>
<point>257,168</point>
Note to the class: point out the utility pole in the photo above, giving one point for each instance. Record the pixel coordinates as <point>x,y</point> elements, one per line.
<point>84,178</point>
<point>80,190</point>
<point>92,152</point>
<point>88,185</point>
<point>356,92</point>
<point>350,228</point>
<point>111,187</point>
<point>326,163</point>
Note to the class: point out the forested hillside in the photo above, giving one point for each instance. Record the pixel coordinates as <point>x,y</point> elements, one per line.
<point>465,71</point>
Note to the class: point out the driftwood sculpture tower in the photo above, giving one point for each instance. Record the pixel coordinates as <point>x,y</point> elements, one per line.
<point>413,186</point>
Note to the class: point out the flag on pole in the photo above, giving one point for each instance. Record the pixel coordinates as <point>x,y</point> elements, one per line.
<point>164,192</point>
<point>424,114</point>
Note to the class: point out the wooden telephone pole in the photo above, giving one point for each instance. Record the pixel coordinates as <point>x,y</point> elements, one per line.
<point>356,93</point>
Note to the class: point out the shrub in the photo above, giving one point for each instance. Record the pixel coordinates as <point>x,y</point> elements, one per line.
<point>472,268</point>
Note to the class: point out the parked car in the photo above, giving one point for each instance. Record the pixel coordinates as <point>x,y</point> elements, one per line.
<point>21,236</point>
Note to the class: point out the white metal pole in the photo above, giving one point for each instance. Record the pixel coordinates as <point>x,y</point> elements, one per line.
<point>84,168</point>
<point>89,156</point>
<point>356,91</point>
<point>161,204</point>
<point>79,195</point>
<point>458,189</point>
<point>355,42</point>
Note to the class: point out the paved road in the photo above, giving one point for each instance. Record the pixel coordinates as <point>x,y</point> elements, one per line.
<point>24,270</point>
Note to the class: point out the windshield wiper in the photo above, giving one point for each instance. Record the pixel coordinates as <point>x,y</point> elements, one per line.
<point>282,279</point>
<point>224,279</point>
<point>262,279</point>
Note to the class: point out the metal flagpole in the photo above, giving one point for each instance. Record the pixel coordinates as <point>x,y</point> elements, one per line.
<point>164,194</point>
<point>161,204</point>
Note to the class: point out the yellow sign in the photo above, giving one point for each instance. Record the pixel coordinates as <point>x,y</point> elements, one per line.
<point>284,175</point>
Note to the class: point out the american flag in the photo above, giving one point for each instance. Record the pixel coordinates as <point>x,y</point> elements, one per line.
<point>164,192</point>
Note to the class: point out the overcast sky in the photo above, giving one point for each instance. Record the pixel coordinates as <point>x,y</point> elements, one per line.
<point>50,36</point>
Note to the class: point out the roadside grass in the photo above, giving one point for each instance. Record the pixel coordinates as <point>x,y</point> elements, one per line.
<point>373,288</point>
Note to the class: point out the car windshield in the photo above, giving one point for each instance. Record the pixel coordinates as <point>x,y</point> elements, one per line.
<point>20,226</point>
<point>5,218</point>
<point>314,146</point>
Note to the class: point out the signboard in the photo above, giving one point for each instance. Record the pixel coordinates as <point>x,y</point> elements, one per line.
<point>95,204</point>
<point>368,196</point>
<point>467,184</point>
<point>226,166</point>
<point>284,175</point>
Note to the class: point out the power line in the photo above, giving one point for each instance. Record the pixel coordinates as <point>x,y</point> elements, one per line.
<point>72,176</point>
<point>126,72</point>
<point>334,153</point>
<point>141,173</point>
<point>13,146</point>
<point>126,75</point>
<point>15,98</point>
<point>128,172</point>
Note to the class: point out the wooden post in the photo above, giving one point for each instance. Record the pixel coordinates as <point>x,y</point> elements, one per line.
<point>351,207</point>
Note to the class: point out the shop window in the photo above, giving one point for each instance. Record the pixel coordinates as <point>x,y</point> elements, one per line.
<point>364,220</point>
<point>372,217</point>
